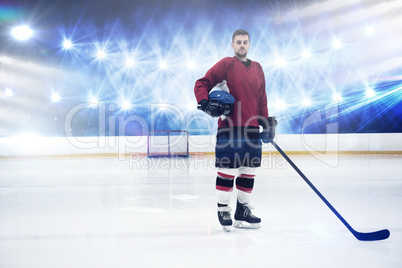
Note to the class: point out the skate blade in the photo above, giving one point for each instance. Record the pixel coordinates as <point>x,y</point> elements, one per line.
<point>226,228</point>
<point>246,225</point>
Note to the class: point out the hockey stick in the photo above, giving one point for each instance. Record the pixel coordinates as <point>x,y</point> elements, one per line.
<point>373,236</point>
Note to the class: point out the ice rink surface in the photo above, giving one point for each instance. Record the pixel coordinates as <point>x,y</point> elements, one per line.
<point>139,212</point>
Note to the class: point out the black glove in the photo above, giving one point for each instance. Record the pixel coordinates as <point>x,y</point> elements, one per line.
<point>268,132</point>
<point>213,108</point>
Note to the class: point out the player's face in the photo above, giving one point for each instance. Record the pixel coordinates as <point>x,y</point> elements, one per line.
<point>241,44</point>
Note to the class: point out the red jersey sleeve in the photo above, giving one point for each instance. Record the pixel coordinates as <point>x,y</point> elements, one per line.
<point>215,75</point>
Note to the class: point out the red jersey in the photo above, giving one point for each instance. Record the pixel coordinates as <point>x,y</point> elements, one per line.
<point>246,85</point>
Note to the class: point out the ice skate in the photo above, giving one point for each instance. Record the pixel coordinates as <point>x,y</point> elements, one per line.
<point>224,218</point>
<point>244,219</point>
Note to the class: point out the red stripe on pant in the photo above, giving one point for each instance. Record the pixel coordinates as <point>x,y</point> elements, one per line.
<point>225,176</point>
<point>244,189</point>
<point>224,189</point>
<point>247,176</point>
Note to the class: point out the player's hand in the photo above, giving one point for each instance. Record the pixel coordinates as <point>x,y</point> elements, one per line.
<point>213,108</point>
<point>269,130</point>
<point>264,136</point>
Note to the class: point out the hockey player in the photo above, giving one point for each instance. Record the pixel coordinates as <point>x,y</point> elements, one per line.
<point>238,146</point>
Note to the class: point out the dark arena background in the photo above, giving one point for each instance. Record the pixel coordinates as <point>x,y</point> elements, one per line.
<point>123,68</point>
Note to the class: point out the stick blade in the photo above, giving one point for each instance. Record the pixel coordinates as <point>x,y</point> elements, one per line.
<point>374,236</point>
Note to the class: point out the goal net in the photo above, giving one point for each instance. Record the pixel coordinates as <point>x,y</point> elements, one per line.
<point>168,143</point>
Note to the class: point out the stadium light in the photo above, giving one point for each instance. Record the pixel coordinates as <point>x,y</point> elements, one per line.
<point>336,44</point>
<point>280,105</point>
<point>280,63</point>
<point>337,97</point>
<point>130,62</point>
<point>5,59</point>
<point>163,106</point>
<point>370,92</point>
<point>306,102</point>
<point>55,97</point>
<point>67,44</point>
<point>22,32</point>
<point>93,101</point>
<point>9,92</point>
<point>306,54</point>
<point>369,31</point>
<point>126,105</point>
<point>100,54</point>
<point>162,65</point>
<point>190,65</point>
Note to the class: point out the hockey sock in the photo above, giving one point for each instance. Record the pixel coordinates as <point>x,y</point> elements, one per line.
<point>224,188</point>
<point>244,185</point>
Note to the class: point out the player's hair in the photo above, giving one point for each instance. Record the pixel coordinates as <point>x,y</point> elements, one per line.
<point>240,32</point>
